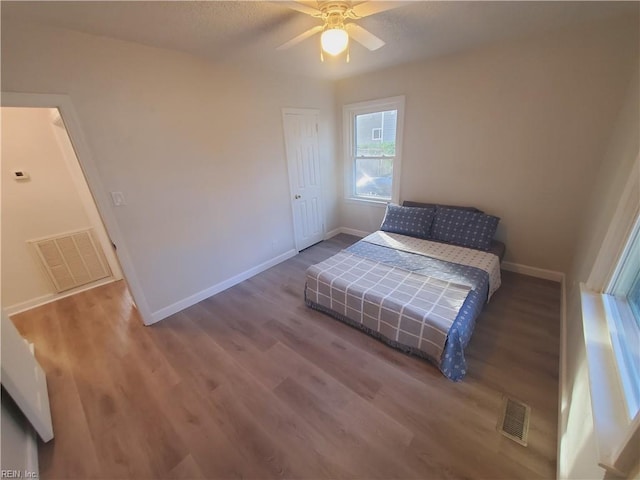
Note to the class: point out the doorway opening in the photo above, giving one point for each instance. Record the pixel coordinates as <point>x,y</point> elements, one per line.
<point>54,242</point>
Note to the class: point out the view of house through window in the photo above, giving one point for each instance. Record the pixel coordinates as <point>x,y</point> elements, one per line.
<point>375,151</point>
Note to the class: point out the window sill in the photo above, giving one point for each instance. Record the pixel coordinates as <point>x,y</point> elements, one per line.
<point>367,201</point>
<point>615,433</point>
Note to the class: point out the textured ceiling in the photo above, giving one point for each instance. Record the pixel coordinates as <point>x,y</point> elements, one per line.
<point>248,32</point>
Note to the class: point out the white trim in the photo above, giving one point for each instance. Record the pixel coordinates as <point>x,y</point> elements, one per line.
<point>347,231</point>
<point>612,426</point>
<point>348,114</point>
<point>74,130</point>
<point>616,434</point>
<point>352,231</point>
<point>219,287</point>
<point>332,233</point>
<point>370,202</point>
<point>52,297</point>
<point>534,271</point>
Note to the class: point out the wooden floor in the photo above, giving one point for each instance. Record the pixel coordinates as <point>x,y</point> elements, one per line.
<point>251,383</point>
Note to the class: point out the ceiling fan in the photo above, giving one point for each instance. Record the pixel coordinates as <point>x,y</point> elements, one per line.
<point>337,24</point>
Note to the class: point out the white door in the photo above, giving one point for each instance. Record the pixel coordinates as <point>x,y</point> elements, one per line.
<point>301,142</point>
<point>24,380</point>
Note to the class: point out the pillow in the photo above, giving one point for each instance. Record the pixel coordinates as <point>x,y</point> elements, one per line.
<point>412,221</point>
<point>464,228</point>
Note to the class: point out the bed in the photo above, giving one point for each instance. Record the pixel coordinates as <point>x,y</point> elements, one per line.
<point>418,284</point>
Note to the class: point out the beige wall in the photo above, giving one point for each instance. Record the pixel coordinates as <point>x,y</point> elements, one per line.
<point>46,204</point>
<point>523,129</point>
<point>577,442</point>
<point>517,129</point>
<point>196,148</point>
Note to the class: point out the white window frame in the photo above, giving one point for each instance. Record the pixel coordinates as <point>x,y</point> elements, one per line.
<point>377,130</point>
<point>350,112</point>
<point>621,321</point>
<point>617,432</point>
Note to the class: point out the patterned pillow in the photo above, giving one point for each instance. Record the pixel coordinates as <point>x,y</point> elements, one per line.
<point>411,221</point>
<point>464,228</point>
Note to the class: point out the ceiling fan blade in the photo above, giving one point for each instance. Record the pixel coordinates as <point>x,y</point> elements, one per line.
<point>371,8</point>
<point>301,7</point>
<point>303,36</point>
<point>363,36</point>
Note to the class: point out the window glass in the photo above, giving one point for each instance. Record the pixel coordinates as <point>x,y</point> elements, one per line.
<point>376,134</point>
<point>374,177</point>
<point>373,149</point>
<point>633,297</point>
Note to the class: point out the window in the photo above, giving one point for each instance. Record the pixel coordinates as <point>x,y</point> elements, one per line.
<point>611,327</point>
<point>622,304</point>
<point>373,138</point>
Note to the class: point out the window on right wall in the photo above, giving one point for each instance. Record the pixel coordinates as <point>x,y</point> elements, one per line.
<point>611,327</point>
<point>622,302</point>
<point>373,139</point>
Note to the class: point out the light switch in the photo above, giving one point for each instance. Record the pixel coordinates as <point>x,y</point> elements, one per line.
<point>118,199</point>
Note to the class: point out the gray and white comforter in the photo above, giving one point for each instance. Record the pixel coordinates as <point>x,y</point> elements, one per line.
<point>417,295</point>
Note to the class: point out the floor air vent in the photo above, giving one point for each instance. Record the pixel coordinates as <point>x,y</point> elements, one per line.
<point>514,422</point>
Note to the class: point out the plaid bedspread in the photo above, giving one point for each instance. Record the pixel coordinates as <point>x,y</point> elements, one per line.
<point>459,257</point>
<point>407,308</point>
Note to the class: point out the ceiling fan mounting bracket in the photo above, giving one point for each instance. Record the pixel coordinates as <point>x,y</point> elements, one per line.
<point>333,9</point>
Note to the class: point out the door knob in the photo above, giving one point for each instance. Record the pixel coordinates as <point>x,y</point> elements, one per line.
<point>297,197</point>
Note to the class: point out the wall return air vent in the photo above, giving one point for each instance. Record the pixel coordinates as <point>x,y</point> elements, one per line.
<point>72,259</point>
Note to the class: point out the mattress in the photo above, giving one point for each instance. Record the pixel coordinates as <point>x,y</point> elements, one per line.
<point>416,295</point>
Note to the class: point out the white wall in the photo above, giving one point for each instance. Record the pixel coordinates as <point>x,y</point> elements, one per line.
<point>578,454</point>
<point>46,204</point>
<point>197,149</point>
<point>517,129</point>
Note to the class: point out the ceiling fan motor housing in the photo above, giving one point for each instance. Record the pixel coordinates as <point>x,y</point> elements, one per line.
<point>334,12</point>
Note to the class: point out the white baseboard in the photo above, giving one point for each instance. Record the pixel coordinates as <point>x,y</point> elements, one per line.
<point>52,297</point>
<point>533,271</point>
<point>218,287</point>
<point>348,231</point>
<point>332,233</point>
<point>357,233</point>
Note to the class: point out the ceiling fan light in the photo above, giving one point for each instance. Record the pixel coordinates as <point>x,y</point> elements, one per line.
<point>334,41</point>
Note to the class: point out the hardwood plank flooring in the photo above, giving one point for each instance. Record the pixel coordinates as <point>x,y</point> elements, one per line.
<point>251,383</point>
